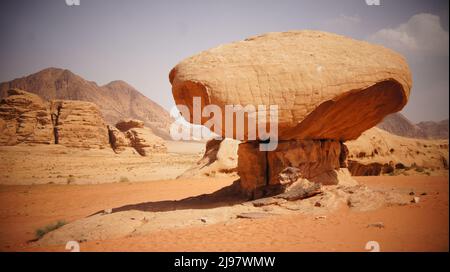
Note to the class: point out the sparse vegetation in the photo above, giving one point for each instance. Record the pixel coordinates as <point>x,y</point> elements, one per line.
<point>51,227</point>
<point>124,179</point>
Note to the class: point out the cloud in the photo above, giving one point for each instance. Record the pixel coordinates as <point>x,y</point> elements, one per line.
<point>341,22</point>
<point>422,33</point>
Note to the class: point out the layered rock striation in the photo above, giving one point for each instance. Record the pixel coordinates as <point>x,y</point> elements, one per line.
<point>327,88</point>
<point>27,119</point>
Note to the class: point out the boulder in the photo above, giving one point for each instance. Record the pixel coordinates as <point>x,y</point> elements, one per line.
<point>311,157</point>
<point>220,158</point>
<point>24,118</point>
<point>127,124</point>
<point>119,142</point>
<point>145,142</point>
<point>326,86</point>
<point>378,152</point>
<point>78,124</point>
<point>317,161</point>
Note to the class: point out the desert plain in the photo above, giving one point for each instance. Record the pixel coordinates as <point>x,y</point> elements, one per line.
<point>95,165</point>
<point>421,226</point>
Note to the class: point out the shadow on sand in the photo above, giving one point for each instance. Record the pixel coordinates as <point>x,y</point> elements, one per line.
<point>226,196</point>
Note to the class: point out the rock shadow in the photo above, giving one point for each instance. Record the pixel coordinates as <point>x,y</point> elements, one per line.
<point>226,196</point>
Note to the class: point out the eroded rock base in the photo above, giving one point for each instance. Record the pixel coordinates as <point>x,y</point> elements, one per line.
<point>265,173</point>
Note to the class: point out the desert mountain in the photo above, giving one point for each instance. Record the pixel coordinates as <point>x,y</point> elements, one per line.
<point>117,100</point>
<point>399,125</point>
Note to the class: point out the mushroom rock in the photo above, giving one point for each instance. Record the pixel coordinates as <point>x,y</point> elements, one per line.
<point>328,89</point>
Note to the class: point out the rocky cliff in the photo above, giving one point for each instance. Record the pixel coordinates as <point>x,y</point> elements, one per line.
<point>117,100</point>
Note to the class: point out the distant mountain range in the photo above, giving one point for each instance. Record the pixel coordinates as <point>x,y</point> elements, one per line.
<point>398,124</point>
<point>117,100</point>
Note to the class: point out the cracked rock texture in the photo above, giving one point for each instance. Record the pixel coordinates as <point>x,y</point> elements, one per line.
<point>314,159</point>
<point>79,124</point>
<point>326,86</point>
<point>379,152</point>
<point>131,133</point>
<point>24,118</point>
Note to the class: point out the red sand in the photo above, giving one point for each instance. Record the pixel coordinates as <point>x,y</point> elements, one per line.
<point>418,227</point>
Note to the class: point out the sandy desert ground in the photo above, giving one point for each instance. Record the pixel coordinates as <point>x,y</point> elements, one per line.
<point>196,214</point>
<point>57,164</point>
<point>420,226</point>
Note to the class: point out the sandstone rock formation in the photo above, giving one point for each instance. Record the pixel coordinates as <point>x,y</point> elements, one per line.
<point>125,125</point>
<point>24,118</point>
<point>378,152</point>
<point>117,100</point>
<point>132,133</point>
<point>78,124</point>
<point>119,142</point>
<point>145,142</point>
<point>220,157</point>
<point>324,84</point>
<point>328,89</point>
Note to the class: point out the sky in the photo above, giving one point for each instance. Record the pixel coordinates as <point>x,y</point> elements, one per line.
<point>139,41</point>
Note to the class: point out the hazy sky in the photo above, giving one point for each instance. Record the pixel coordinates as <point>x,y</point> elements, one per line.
<point>139,41</point>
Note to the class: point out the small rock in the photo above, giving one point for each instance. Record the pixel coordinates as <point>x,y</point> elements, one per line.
<point>415,200</point>
<point>412,193</point>
<point>379,225</point>
<point>424,193</point>
<point>203,219</point>
<point>320,217</point>
<point>317,204</point>
<point>301,189</point>
<point>264,202</point>
<point>107,211</point>
<point>289,175</point>
<point>253,215</point>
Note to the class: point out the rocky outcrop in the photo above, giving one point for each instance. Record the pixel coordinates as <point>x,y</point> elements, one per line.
<point>378,152</point>
<point>220,158</point>
<point>145,142</point>
<point>318,161</point>
<point>24,118</point>
<point>119,142</point>
<point>127,124</point>
<point>131,133</point>
<point>78,124</point>
<point>117,100</point>
<point>326,86</point>
<point>328,89</point>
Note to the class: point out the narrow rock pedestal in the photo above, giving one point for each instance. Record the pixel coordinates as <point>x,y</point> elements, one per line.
<point>317,160</point>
